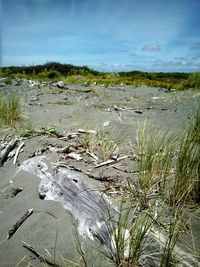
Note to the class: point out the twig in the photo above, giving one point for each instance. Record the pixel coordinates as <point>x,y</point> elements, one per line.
<point>4,153</point>
<point>87,131</point>
<point>16,226</point>
<point>91,154</point>
<point>69,136</point>
<point>124,170</point>
<point>110,161</point>
<point>70,167</point>
<point>40,257</point>
<point>17,153</point>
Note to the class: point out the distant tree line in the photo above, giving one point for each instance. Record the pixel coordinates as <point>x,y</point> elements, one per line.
<point>65,69</point>
<point>69,69</point>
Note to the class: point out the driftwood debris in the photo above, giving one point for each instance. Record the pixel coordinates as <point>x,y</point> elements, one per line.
<point>70,136</point>
<point>16,226</point>
<point>92,155</point>
<point>74,168</point>
<point>87,131</point>
<point>110,161</point>
<point>39,256</point>
<point>75,156</point>
<point>4,153</point>
<point>17,153</point>
<point>123,108</point>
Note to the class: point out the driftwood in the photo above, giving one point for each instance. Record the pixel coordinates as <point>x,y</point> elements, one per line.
<point>75,156</point>
<point>39,256</point>
<point>70,136</point>
<point>79,195</point>
<point>92,155</point>
<point>17,152</point>
<point>67,149</point>
<point>74,168</point>
<point>87,131</point>
<point>4,153</point>
<point>16,226</point>
<point>123,108</point>
<point>125,171</point>
<point>110,161</point>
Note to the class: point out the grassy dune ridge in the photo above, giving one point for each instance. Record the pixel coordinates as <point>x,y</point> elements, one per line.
<point>76,74</point>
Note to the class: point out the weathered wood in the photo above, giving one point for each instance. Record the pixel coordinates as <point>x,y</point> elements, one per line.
<point>110,161</point>
<point>17,153</point>
<point>4,153</point>
<point>87,131</point>
<point>39,256</point>
<point>92,155</point>
<point>16,226</point>
<point>78,194</point>
<point>75,156</point>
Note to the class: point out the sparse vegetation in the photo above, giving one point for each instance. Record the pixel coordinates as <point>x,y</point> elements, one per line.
<point>193,81</point>
<point>76,74</point>
<point>187,180</point>
<point>165,187</point>
<point>10,111</point>
<point>103,143</point>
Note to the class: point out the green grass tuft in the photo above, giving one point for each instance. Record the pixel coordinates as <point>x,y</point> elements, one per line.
<point>10,111</point>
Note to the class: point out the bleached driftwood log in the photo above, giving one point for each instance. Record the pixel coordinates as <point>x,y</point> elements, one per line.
<point>4,153</point>
<point>78,194</point>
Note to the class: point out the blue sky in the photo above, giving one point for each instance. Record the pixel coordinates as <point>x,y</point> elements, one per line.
<point>107,35</point>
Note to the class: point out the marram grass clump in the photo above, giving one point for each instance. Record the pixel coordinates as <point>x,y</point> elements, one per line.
<point>10,111</point>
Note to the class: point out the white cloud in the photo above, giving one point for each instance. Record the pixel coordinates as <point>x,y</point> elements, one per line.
<point>151,48</point>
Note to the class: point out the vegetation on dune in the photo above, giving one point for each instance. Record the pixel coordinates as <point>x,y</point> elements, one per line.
<point>10,111</point>
<point>11,116</point>
<point>193,81</point>
<point>77,74</point>
<point>165,188</point>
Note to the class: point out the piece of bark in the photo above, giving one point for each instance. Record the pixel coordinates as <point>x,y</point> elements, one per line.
<point>39,256</point>
<point>4,153</point>
<point>16,226</point>
<point>17,153</point>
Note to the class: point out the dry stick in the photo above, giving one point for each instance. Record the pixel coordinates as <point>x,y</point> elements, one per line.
<point>87,131</point>
<point>91,154</point>
<point>124,170</point>
<point>40,257</point>
<point>17,153</point>
<point>70,167</point>
<point>70,136</point>
<point>16,226</point>
<point>4,153</point>
<point>110,161</point>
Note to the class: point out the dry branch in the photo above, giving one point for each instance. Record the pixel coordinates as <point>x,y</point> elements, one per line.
<point>17,152</point>
<point>40,257</point>
<point>4,153</point>
<point>110,161</point>
<point>87,131</point>
<point>16,226</point>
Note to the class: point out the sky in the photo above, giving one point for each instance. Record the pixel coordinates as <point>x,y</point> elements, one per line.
<point>105,35</point>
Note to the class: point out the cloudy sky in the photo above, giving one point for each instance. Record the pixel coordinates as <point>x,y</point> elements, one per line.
<point>108,35</point>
